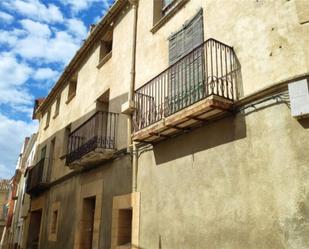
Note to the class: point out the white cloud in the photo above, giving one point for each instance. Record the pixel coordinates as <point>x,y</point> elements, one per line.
<point>79,5</point>
<point>11,71</point>
<point>45,74</point>
<point>13,131</point>
<point>35,10</point>
<point>36,28</point>
<point>59,48</point>
<point>11,37</point>
<point>77,28</point>
<point>6,17</point>
<point>13,76</point>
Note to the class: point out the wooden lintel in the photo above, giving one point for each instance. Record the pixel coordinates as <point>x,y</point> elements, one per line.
<point>178,128</point>
<point>158,134</point>
<point>197,119</point>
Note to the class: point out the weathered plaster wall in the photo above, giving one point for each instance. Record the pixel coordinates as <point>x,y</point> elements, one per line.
<point>242,183</point>
<point>91,84</point>
<point>266,35</point>
<point>104,182</point>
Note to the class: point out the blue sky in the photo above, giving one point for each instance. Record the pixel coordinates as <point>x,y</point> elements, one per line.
<point>37,40</point>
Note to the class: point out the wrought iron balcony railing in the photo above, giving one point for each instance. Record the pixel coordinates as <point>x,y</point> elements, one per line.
<point>98,132</point>
<point>210,69</point>
<point>38,177</point>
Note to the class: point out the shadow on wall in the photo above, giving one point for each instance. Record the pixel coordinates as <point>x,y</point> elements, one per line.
<point>214,134</point>
<point>304,122</point>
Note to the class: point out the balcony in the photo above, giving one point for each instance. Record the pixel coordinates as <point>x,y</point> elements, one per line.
<point>94,141</point>
<point>199,87</point>
<point>38,177</point>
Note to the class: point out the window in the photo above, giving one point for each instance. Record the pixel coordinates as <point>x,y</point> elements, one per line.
<point>47,119</point>
<point>125,221</point>
<point>187,38</point>
<point>65,142</point>
<point>124,227</point>
<point>186,82</point>
<point>167,5</point>
<point>163,10</point>
<point>72,88</point>
<point>106,46</point>
<point>43,153</point>
<point>57,108</point>
<point>54,221</point>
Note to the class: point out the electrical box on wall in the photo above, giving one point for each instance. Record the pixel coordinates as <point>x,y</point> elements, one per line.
<point>299,98</point>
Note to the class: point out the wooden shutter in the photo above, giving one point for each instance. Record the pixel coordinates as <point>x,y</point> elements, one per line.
<point>187,76</point>
<point>193,32</point>
<point>185,40</point>
<point>176,47</point>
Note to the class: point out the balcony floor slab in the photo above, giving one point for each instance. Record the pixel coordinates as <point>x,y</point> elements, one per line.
<point>184,120</point>
<point>94,157</point>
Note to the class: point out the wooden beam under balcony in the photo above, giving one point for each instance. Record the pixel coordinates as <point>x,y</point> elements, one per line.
<point>185,120</point>
<point>200,86</point>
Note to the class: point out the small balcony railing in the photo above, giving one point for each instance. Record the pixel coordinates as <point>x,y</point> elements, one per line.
<point>211,69</point>
<point>38,177</point>
<point>98,132</point>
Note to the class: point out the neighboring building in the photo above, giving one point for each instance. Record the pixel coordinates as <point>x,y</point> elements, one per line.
<point>4,197</point>
<point>20,221</point>
<point>17,205</point>
<point>178,124</point>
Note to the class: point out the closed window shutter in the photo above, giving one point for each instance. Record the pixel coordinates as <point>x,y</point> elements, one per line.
<point>176,47</point>
<point>186,77</point>
<point>186,39</point>
<point>193,32</point>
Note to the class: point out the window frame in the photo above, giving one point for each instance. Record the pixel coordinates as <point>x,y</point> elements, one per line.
<point>47,120</point>
<point>71,93</point>
<point>159,19</point>
<point>57,106</point>
<point>54,224</point>
<point>106,54</point>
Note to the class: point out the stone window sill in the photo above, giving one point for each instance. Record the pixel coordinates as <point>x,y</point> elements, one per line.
<point>70,98</point>
<point>104,60</point>
<point>164,19</point>
<point>56,115</point>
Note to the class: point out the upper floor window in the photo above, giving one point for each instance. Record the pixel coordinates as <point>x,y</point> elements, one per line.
<point>106,46</point>
<point>163,10</point>
<point>65,142</point>
<point>47,119</point>
<point>72,88</point>
<point>167,5</point>
<point>187,38</point>
<point>57,107</point>
<point>43,153</point>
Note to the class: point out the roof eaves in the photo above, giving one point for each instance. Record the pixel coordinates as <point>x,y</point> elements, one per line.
<point>84,48</point>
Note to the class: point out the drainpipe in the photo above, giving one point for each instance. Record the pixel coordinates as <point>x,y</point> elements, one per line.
<point>128,108</point>
<point>130,104</point>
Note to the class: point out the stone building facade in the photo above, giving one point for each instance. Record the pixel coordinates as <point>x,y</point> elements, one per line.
<point>178,124</point>
<point>4,197</point>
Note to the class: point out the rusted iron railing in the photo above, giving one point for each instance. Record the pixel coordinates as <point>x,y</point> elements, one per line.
<point>99,131</point>
<point>38,176</point>
<point>210,69</point>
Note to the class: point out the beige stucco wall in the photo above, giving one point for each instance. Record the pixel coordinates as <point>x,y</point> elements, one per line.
<point>267,37</point>
<point>242,183</point>
<point>91,84</point>
<point>70,193</point>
